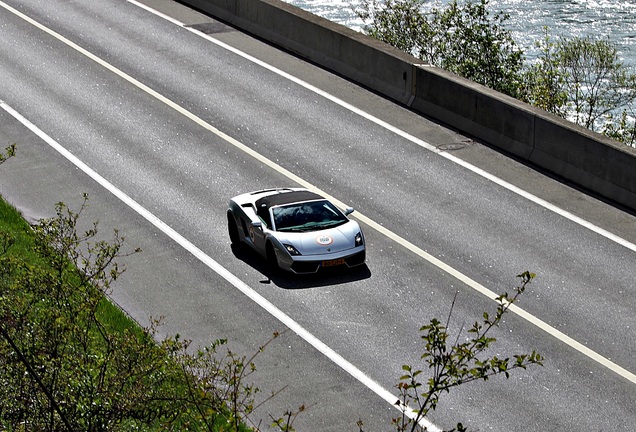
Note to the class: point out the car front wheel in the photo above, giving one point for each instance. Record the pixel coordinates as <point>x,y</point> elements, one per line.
<point>270,256</point>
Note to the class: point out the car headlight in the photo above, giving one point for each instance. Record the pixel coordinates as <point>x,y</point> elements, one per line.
<point>292,250</point>
<point>359,239</point>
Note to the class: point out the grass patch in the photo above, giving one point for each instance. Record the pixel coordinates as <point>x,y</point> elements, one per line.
<point>98,363</point>
<point>14,226</point>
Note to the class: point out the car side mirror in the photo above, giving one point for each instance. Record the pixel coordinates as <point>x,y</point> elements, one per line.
<point>348,211</point>
<point>257,224</point>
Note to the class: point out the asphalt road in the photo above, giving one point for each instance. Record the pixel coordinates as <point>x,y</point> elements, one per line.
<point>162,124</point>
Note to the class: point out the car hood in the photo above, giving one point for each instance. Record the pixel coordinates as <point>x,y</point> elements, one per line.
<point>330,240</point>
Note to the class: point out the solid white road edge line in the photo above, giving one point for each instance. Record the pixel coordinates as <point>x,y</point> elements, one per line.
<point>399,132</point>
<point>220,270</point>
<point>415,249</point>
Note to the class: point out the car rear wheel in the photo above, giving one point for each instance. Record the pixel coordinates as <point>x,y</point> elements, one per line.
<point>232,229</point>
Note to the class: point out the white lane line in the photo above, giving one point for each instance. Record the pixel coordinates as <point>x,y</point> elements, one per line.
<point>396,238</point>
<point>293,177</point>
<point>219,269</point>
<point>543,203</point>
<point>421,143</point>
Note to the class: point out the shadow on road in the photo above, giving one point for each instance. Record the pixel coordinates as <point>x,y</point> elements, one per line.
<point>283,279</point>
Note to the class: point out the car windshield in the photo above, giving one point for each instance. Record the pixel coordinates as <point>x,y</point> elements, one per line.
<point>307,216</point>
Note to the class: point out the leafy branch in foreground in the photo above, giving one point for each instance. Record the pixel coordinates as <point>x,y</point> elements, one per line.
<point>216,391</point>
<point>455,364</point>
<point>70,360</point>
<point>9,153</point>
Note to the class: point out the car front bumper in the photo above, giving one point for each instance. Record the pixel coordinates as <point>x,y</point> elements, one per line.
<point>313,263</point>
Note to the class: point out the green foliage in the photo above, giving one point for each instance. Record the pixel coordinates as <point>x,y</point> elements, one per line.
<point>622,127</point>
<point>597,80</point>
<point>68,359</point>
<point>61,368</point>
<point>399,23</point>
<point>583,80</point>
<point>462,38</point>
<point>452,363</point>
<point>544,82</point>
<point>9,153</point>
<point>471,42</point>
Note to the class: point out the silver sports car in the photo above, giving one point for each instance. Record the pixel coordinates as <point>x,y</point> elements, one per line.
<point>295,229</point>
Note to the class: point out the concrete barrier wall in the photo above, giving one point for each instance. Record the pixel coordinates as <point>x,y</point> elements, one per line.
<point>489,115</point>
<point>571,152</point>
<point>586,158</point>
<point>351,54</point>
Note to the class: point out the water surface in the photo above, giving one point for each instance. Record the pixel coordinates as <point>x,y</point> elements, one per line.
<point>612,19</point>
